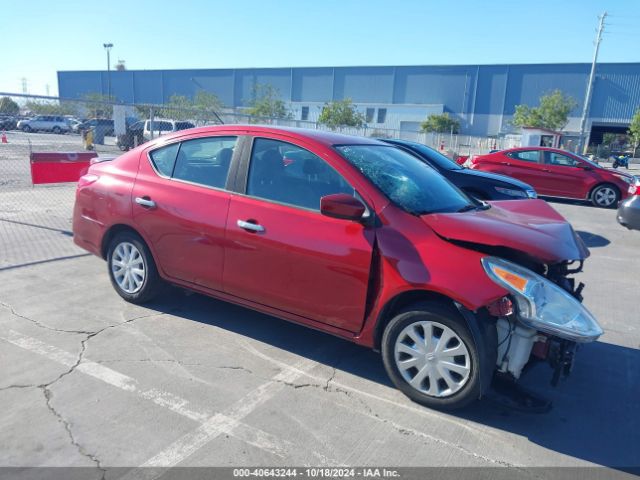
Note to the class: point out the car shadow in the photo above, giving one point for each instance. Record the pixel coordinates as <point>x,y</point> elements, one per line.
<point>595,410</point>
<point>593,240</point>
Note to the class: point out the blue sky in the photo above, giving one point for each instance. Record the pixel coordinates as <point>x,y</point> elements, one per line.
<point>68,35</point>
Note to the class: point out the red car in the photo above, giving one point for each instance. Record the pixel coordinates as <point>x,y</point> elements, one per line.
<point>347,235</point>
<point>557,173</point>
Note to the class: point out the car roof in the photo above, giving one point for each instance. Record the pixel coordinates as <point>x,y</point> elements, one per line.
<point>548,149</point>
<point>327,138</point>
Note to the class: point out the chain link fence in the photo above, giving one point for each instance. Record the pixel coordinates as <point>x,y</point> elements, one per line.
<point>35,219</point>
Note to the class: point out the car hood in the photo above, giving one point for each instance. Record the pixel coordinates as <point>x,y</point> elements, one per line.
<point>617,172</point>
<point>496,177</point>
<point>529,226</point>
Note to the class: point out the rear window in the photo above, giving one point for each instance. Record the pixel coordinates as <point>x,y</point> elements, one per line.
<point>164,159</point>
<point>161,126</point>
<point>184,125</point>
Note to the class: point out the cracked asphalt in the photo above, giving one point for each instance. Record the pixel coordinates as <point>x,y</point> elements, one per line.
<point>89,380</point>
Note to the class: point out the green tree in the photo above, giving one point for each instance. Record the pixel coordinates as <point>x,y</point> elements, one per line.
<point>266,103</point>
<point>553,112</point>
<point>8,106</point>
<point>440,123</point>
<point>98,105</point>
<point>634,131</point>
<point>51,107</point>
<point>609,138</point>
<point>341,113</point>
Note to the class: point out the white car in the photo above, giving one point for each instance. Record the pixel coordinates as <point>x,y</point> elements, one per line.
<point>45,123</point>
<point>162,126</point>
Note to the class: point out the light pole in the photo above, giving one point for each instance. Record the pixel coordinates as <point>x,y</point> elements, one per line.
<point>107,47</point>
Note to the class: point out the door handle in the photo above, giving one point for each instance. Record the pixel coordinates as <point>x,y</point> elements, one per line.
<point>546,170</point>
<point>253,227</point>
<point>506,163</point>
<point>145,202</point>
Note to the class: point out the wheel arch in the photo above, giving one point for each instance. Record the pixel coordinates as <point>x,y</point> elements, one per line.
<point>115,230</point>
<point>602,184</point>
<point>480,324</point>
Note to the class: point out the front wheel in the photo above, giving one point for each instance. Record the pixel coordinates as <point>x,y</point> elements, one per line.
<point>430,355</point>
<point>132,271</point>
<point>27,129</point>
<point>605,196</point>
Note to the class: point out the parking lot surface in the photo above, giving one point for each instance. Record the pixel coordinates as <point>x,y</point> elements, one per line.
<point>89,380</point>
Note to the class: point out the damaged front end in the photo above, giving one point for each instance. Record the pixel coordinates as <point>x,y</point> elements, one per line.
<point>532,252</point>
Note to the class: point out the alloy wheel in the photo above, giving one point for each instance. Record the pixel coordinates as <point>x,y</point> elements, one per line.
<point>127,265</point>
<point>605,196</point>
<point>432,358</point>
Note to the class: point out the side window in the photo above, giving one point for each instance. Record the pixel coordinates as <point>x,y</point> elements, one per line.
<point>205,161</point>
<point>526,156</point>
<point>285,173</point>
<point>164,159</point>
<point>553,158</point>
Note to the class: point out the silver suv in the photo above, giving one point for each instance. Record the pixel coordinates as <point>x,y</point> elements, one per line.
<point>45,123</point>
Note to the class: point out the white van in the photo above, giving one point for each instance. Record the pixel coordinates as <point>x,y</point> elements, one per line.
<point>162,126</point>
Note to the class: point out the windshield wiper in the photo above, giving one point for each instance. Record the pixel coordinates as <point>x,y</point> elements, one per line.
<point>468,208</point>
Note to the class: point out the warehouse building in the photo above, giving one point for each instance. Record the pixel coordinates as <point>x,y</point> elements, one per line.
<point>482,97</point>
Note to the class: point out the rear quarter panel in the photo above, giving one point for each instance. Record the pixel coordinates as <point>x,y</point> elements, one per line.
<point>105,202</point>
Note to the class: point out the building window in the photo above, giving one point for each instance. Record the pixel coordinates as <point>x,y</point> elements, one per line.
<point>304,114</point>
<point>370,114</point>
<point>382,115</point>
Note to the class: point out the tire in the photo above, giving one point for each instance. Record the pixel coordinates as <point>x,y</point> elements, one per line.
<point>432,390</point>
<point>143,282</point>
<point>57,130</point>
<point>27,129</point>
<point>605,196</point>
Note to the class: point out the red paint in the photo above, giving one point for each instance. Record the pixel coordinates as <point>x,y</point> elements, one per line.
<point>329,273</point>
<point>59,167</point>
<point>549,179</point>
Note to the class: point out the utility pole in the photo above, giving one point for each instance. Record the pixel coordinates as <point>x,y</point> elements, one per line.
<point>107,47</point>
<point>24,84</point>
<point>582,146</point>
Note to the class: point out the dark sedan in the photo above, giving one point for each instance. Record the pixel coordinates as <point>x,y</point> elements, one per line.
<point>481,185</point>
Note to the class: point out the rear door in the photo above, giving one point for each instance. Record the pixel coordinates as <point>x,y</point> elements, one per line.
<point>181,203</point>
<point>281,252</point>
<point>565,175</point>
<point>526,165</point>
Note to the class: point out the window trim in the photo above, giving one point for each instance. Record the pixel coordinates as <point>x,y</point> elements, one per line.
<point>537,162</point>
<point>231,173</point>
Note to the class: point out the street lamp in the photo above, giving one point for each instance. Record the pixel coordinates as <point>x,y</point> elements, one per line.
<point>107,47</point>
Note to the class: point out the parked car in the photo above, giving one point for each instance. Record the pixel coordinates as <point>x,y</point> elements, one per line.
<point>558,173</point>
<point>97,123</point>
<point>481,185</point>
<point>132,138</point>
<point>45,123</point>
<point>348,235</point>
<point>162,126</point>
<point>8,122</point>
<point>629,213</point>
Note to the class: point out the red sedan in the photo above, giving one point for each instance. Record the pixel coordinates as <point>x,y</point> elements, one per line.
<point>558,173</point>
<point>347,235</point>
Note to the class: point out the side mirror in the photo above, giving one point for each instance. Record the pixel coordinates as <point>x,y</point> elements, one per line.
<point>584,166</point>
<point>341,205</point>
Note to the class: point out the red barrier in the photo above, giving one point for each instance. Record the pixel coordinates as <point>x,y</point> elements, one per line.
<point>59,167</point>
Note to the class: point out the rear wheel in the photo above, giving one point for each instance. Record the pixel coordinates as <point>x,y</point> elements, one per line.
<point>27,129</point>
<point>132,270</point>
<point>605,196</point>
<point>431,357</point>
<point>57,130</point>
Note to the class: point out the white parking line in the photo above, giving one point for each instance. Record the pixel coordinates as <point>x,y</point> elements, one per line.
<point>214,424</point>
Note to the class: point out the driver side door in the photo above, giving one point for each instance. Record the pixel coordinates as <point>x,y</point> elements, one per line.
<point>282,252</point>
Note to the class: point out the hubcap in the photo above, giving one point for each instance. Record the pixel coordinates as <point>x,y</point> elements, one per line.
<point>127,265</point>
<point>605,196</point>
<point>432,358</point>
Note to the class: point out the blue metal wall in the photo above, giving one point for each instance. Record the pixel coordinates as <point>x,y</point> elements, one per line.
<point>479,94</point>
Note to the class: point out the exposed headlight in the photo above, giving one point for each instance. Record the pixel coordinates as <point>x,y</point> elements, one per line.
<point>543,305</point>
<point>511,192</point>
